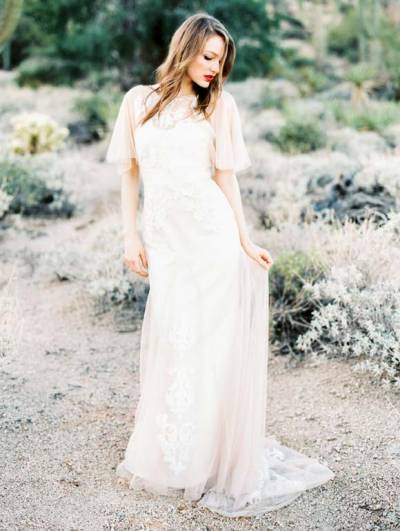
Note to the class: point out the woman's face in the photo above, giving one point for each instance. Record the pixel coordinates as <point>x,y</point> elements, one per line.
<point>205,66</point>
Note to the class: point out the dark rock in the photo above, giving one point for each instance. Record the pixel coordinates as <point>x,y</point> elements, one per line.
<point>85,133</point>
<point>357,203</point>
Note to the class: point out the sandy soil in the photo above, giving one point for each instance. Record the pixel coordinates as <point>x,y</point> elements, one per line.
<point>68,401</point>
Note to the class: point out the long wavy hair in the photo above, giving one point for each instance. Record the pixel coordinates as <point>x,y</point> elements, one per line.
<point>188,41</point>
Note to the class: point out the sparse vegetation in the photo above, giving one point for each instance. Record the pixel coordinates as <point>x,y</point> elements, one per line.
<point>301,136</point>
<point>291,297</point>
<point>27,191</point>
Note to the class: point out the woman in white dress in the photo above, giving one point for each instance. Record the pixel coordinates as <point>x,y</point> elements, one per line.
<point>200,422</point>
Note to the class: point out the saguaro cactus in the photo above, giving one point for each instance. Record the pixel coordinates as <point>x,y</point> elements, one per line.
<point>10,12</point>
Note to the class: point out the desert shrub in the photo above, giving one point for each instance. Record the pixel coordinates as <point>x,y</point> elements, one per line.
<point>343,38</point>
<point>5,201</point>
<point>301,135</point>
<point>276,93</point>
<point>390,46</point>
<point>272,100</point>
<point>359,36</point>
<point>37,70</point>
<point>308,79</point>
<point>109,282</point>
<point>357,319</point>
<point>96,111</point>
<point>36,133</point>
<point>360,73</point>
<point>100,272</point>
<point>291,297</point>
<point>315,80</point>
<point>375,116</point>
<point>33,192</point>
<point>358,301</point>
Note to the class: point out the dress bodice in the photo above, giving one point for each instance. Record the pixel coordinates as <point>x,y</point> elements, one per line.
<point>176,145</point>
<point>178,139</point>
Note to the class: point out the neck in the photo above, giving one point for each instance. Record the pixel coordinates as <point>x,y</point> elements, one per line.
<point>186,88</point>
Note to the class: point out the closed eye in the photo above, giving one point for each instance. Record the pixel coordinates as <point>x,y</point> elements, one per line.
<point>209,58</point>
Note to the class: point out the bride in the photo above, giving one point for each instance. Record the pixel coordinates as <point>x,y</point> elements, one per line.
<point>199,428</point>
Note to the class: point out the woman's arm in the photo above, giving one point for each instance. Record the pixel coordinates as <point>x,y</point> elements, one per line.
<point>134,252</point>
<point>227,181</point>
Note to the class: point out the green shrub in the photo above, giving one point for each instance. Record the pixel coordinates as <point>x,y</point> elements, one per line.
<point>272,100</point>
<point>5,201</point>
<point>301,136</point>
<point>315,80</point>
<point>343,38</point>
<point>31,194</point>
<point>360,73</point>
<point>307,78</point>
<point>374,116</point>
<point>291,297</point>
<point>96,111</point>
<point>35,71</point>
<point>390,45</point>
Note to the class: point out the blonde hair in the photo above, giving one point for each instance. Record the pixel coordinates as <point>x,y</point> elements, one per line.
<point>187,41</point>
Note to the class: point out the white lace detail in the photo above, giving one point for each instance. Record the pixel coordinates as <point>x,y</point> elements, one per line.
<point>180,109</point>
<point>176,427</point>
<point>191,197</point>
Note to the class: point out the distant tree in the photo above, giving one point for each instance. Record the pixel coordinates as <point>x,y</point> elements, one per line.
<point>130,37</point>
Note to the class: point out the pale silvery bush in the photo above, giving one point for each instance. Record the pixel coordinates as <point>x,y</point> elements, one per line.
<point>359,310</point>
<point>96,264</point>
<point>357,320</point>
<point>36,133</point>
<point>109,282</point>
<point>5,200</point>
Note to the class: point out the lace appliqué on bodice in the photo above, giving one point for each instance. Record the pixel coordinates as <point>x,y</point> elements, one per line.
<point>190,198</point>
<point>180,109</point>
<point>175,170</point>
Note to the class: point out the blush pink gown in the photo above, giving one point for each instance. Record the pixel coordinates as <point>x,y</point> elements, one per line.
<point>199,426</point>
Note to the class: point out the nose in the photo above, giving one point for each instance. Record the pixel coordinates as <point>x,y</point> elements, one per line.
<point>215,69</point>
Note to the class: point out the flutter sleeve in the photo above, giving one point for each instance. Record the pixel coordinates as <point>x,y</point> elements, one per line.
<point>121,148</point>
<point>229,149</point>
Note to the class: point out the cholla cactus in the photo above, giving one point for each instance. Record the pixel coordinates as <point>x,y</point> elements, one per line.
<point>36,133</point>
<point>5,200</point>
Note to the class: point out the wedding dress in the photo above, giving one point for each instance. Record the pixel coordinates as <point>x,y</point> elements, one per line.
<point>200,422</point>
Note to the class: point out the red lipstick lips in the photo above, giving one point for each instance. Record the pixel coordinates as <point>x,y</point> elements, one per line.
<point>209,78</point>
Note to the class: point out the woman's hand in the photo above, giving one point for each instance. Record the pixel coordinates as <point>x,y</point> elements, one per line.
<point>258,254</point>
<point>135,256</point>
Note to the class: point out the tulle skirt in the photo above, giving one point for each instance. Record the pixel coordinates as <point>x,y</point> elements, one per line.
<point>199,428</point>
